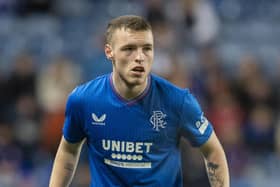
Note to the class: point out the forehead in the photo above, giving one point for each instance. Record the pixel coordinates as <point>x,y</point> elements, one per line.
<point>127,36</point>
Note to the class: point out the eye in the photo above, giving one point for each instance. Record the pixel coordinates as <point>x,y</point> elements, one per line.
<point>128,49</point>
<point>147,48</point>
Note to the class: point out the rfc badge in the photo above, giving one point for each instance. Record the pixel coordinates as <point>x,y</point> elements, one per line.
<point>157,120</point>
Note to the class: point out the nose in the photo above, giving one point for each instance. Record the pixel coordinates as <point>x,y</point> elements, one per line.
<point>139,56</point>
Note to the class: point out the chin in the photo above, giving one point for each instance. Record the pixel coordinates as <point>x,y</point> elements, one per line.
<point>138,81</point>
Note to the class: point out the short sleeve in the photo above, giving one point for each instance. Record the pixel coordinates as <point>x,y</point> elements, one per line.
<point>195,127</point>
<point>73,126</point>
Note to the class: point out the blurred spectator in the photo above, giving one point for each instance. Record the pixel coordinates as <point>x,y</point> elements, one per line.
<point>23,112</point>
<point>28,7</point>
<point>26,126</point>
<point>19,83</point>
<point>10,157</point>
<point>4,103</point>
<point>276,85</point>
<point>95,62</point>
<point>167,63</point>
<point>201,21</point>
<point>155,12</point>
<point>259,131</point>
<point>54,84</point>
<point>7,7</point>
<point>22,78</point>
<point>252,86</point>
<point>226,115</point>
<point>277,137</point>
<point>277,126</point>
<point>208,77</point>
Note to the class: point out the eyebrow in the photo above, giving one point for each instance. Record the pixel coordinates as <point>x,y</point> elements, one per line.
<point>133,45</point>
<point>148,45</point>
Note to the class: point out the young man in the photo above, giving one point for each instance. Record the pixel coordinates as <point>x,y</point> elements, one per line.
<point>132,121</point>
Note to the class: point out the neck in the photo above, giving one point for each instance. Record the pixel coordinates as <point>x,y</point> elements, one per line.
<point>126,90</point>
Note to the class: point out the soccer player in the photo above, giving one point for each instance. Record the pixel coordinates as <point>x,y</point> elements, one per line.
<point>132,120</point>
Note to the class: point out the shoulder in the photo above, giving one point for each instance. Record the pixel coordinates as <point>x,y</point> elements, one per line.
<point>89,88</point>
<point>168,88</point>
<point>178,96</point>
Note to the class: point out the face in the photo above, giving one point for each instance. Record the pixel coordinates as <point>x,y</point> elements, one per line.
<point>132,56</point>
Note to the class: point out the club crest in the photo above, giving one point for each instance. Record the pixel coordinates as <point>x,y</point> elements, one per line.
<point>157,120</point>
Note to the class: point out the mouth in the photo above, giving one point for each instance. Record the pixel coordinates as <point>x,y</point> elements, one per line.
<point>138,69</point>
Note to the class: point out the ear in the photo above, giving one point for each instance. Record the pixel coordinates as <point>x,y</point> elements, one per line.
<point>108,51</point>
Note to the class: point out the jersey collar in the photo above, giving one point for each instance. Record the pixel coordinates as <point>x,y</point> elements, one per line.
<point>134,100</point>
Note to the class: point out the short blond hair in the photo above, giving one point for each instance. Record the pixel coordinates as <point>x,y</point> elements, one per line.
<point>132,22</point>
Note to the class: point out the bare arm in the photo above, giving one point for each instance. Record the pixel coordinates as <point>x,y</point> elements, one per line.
<point>216,164</point>
<point>65,163</point>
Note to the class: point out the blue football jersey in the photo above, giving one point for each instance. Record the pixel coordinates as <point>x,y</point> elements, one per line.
<point>134,142</point>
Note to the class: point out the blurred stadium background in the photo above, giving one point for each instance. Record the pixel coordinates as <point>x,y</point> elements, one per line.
<point>225,51</point>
